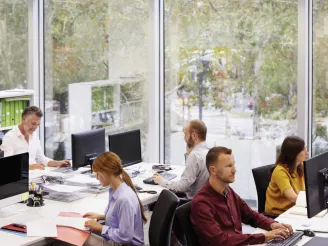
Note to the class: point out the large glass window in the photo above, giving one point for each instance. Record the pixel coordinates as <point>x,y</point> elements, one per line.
<point>13,63</point>
<point>96,69</point>
<point>320,78</point>
<point>13,44</point>
<point>232,64</point>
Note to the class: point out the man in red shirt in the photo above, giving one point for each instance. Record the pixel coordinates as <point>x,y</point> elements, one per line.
<point>217,212</point>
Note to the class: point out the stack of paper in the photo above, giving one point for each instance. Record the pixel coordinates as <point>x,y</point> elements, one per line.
<point>74,222</point>
<point>61,188</point>
<point>83,179</point>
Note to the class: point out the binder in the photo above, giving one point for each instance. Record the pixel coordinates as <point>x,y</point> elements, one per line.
<point>72,235</point>
<point>12,227</point>
<point>3,113</point>
<point>12,113</point>
<point>8,116</point>
<point>0,113</point>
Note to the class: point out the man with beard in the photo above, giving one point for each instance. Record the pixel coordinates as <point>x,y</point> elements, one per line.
<point>217,212</point>
<point>22,138</point>
<point>195,174</point>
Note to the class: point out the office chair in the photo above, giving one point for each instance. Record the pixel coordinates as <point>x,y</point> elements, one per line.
<point>262,177</point>
<point>161,220</point>
<point>183,215</point>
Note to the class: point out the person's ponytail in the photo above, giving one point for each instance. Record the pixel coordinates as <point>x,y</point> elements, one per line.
<point>128,181</point>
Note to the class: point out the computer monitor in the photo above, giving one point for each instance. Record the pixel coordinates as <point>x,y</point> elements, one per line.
<point>127,146</point>
<point>13,180</point>
<point>86,146</point>
<point>1,153</point>
<point>316,184</point>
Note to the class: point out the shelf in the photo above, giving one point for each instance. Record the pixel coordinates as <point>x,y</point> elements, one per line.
<point>16,93</point>
<point>6,128</point>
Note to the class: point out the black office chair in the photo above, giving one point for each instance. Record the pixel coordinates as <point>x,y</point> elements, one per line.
<point>160,226</point>
<point>262,177</point>
<point>183,215</point>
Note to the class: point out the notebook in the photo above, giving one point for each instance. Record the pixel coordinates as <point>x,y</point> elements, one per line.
<point>317,241</point>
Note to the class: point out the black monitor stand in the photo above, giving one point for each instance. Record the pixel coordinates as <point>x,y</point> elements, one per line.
<point>323,186</point>
<point>89,159</point>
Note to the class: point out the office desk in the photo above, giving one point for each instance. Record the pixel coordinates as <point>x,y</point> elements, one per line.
<point>93,202</point>
<point>293,220</point>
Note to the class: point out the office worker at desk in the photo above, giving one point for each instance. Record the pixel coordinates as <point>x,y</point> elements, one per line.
<point>287,178</point>
<point>23,138</point>
<point>217,212</point>
<point>195,174</point>
<point>124,215</point>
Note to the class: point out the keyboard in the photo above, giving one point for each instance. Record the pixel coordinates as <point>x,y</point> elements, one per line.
<point>165,175</point>
<point>63,170</point>
<point>291,240</point>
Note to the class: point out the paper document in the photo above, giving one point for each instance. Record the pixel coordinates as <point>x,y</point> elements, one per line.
<point>301,199</point>
<point>83,179</point>
<point>314,224</point>
<point>41,228</point>
<point>74,222</point>
<point>64,188</point>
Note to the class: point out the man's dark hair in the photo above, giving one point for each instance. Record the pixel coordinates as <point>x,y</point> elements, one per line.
<point>32,110</point>
<point>199,127</point>
<point>214,153</point>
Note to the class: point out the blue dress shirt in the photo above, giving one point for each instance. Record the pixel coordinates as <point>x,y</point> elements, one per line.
<point>123,218</point>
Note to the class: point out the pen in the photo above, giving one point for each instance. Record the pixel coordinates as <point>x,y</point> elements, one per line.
<point>18,225</point>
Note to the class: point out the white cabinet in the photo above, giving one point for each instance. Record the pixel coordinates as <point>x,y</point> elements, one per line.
<point>106,103</point>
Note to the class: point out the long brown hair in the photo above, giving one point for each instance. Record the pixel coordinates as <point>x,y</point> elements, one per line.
<point>110,163</point>
<point>290,148</point>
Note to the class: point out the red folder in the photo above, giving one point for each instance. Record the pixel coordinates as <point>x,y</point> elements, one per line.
<point>72,235</point>
<point>11,227</point>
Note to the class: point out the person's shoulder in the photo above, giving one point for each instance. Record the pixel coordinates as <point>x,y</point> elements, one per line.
<point>10,134</point>
<point>202,195</point>
<point>280,171</point>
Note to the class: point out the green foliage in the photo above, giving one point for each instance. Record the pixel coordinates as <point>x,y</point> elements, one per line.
<point>258,40</point>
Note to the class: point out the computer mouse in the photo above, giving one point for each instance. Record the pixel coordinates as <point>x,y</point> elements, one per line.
<point>308,233</point>
<point>160,171</point>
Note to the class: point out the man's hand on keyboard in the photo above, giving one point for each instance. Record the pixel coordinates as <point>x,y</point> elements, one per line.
<point>64,163</point>
<point>277,233</point>
<point>277,225</point>
<point>157,178</point>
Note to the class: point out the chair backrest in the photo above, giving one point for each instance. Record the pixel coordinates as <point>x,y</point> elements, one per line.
<point>183,215</point>
<point>262,177</point>
<point>160,226</point>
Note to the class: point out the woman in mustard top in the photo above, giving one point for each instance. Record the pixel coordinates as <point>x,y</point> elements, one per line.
<point>287,178</point>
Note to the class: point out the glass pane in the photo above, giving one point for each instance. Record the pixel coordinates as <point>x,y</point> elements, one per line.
<point>13,62</point>
<point>232,64</point>
<point>320,78</point>
<point>96,69</point>
<point>13,44</point>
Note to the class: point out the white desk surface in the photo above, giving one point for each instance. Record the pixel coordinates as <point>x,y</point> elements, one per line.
<point>293,220</point>
<point>92,203</point>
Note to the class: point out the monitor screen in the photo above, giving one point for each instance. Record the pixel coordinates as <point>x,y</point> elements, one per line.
<point>13,177</point>
<point>127,146</point>
<point>315,197</point>
<point>87,145</point>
